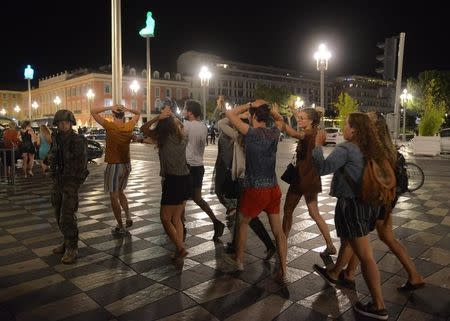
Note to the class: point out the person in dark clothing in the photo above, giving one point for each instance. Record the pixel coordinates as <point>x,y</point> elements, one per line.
<point>68,169</point>
<point>27,148</point>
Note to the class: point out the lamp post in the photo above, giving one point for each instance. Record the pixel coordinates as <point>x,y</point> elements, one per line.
<point>57,102</point>
<point>17,110</point>
<point>90,96</point>
<point>35,105</point>
<point>322,56</point>
<point>134,87</point>
<point>29,73</point>
<point>205,76</point>
<point>3,111</point>
<point>405,97</point>
<point>147,33</point>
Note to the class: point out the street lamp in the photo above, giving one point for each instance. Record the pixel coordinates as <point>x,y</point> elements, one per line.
<point>17,109</point>
<point>3,111</point>
<point>322,56</point>
<point>147,33</point>
<point>227,106</point>
<point>90,96</point>
<point>134,87</point>
<point>57,102</point>
<point>205,76</point>
<point>405,97</point>
<point>299,103</point>
<point>29,73</point>
<point>35,105</point>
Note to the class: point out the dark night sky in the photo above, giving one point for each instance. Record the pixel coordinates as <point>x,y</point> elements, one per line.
<point>54,36</point>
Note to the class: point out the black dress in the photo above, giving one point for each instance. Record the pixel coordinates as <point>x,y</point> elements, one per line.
<point>27,146</point>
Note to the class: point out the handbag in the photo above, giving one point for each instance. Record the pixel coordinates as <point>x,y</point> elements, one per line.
<point>290,174</point>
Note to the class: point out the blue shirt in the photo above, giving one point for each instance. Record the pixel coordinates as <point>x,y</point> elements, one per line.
<point>346,155</point>
<point>260,157</point>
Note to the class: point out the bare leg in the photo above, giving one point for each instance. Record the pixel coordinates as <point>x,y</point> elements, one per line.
<point>384,229</point>
<point>30,164</point>
<point>115,204</point>
<point>363,250</point>
<point>280,238</point>
<point>124,204</point>
<point>242,237</point>
<point>345,253</point>
<point>198,199</point>
<point>290,203</point>
<point>313,209</point>
<point>170,219</point>
<point>25,164</point>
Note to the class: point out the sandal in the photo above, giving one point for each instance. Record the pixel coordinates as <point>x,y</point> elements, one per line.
<point>408,286</point>
<point>329,251</point>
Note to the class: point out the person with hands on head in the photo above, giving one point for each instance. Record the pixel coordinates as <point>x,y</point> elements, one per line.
<point>261,191</point>
<point>117,156</point>
<point>166,132</point>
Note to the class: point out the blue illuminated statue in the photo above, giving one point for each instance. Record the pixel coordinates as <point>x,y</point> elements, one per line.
<point>29,72</point>
<point>149,30</point>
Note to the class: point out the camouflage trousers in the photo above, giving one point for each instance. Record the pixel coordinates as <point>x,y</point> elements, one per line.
<point>64,197</point>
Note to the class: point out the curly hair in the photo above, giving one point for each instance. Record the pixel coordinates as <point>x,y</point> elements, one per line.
<point>313,115</point>
<point>384,136</point>
<point>170,126</point>
<point>366,137</point>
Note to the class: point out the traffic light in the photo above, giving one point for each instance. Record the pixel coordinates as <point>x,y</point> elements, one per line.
<point>388,58</point>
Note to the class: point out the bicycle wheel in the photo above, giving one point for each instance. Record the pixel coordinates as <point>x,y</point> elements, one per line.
<point>416,177</point>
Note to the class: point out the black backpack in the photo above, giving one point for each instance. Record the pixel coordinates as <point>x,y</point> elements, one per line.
<point>401,175</point>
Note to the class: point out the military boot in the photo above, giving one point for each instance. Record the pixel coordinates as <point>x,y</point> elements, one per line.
<point>60,249</point>
<point>70,256</point>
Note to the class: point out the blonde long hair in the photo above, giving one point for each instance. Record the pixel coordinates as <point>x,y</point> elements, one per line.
<point>46,133</point>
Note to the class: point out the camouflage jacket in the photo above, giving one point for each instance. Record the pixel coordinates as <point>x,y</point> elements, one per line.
<point>67,158</point>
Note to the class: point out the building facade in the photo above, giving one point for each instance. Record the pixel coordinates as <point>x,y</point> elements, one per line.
<point>72,87</point>
<point>9,99</point>
<point>372,94</point>
<point>237,81</point>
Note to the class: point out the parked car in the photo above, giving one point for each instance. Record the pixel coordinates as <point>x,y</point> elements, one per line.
<point>96,134</point>
<point>445,140</point>
<point>94,150</point>
<point>333,134</point>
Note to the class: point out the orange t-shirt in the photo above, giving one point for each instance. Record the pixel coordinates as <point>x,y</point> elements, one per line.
<point>118,139</point>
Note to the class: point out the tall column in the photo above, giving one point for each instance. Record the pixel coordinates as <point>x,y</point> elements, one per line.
<point>398,85</point>
<point>116,51</point>
<point>149,77</point>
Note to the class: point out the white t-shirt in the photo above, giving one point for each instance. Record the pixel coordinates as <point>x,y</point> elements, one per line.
<point>196,133</point>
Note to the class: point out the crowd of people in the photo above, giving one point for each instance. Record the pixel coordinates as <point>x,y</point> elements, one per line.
<point>245,182</point>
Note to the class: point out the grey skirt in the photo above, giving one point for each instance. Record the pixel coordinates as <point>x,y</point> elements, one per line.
<point>354,219</point>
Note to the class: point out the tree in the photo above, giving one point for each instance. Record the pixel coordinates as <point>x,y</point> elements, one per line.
<point>276,95</point>
<point>433,107</point>
<point>440,89</point>
<point>345,105</point>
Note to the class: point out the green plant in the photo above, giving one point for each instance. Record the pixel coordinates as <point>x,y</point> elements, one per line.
<point>433,110</point>
<point>345,105</point>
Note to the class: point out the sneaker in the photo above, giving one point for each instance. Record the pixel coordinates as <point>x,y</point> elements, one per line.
<point>324,274</point>
<point>218,229</point>
<point>128,222</point>
<point>343,281</point>
<point>368,310</point>
<point>70,256</point>
<point>60,249</point>
<point>237,266</point>
<point>119,231</point>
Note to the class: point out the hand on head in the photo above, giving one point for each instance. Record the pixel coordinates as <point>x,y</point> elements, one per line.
<point>118,108</point>
<point>275,107</point>
<point>258,102</point>
<point>165,113</point>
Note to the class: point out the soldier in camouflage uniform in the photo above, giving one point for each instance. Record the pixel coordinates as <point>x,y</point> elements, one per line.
<point>68,168</point>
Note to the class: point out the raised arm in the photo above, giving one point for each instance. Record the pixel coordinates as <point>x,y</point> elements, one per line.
<point>233,116</point>
<point>135,112</point>
<point>282,126</point>
<point>95,112</point>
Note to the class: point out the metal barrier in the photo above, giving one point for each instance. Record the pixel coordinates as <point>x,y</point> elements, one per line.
<point>6,153</point>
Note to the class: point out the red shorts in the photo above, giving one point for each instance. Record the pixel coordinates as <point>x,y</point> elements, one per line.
<point>256,200</point>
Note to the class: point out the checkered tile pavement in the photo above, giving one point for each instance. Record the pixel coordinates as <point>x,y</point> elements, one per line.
<point>132,278</point>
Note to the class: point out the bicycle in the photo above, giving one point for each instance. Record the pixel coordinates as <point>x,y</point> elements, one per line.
<point>415,174</point>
